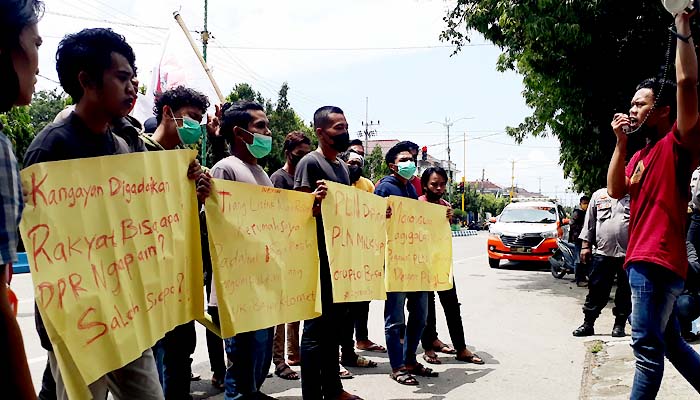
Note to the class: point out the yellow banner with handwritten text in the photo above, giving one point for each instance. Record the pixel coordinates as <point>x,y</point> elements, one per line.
<point>419,247</point>
<point>264,255</point>
<point>114,250</point>
<point>354,222</point>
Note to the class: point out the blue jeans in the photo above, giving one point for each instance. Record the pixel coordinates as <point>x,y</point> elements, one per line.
<point>655,330</point>
<point>250,354</point>
<point>395,323</point>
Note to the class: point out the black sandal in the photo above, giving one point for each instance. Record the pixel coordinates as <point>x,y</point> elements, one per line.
<point>421,370</point>
<point>474,359</point>
<point>404,378</point>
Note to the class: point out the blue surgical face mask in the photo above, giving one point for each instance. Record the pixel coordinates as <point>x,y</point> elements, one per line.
<point>406,169</point>
<point>261,146</point>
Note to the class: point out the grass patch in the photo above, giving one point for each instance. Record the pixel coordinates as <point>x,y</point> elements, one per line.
<point>597,347</point>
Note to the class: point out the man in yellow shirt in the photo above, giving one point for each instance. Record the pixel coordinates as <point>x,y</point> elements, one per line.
<point>359,311</point>
<point>355,163</point>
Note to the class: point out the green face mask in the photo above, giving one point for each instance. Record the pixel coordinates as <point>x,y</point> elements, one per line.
<point>262,145</point>
<point>190,131</point>
<point>406,169</point>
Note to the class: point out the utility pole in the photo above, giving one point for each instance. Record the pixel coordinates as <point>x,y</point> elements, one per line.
<point>483,175</point>
<point>464,174</point>
<point>367,133</point>
<point>205,32</point>
<point>205,42</point>
<point>512,181</point>
<point>447,124</point>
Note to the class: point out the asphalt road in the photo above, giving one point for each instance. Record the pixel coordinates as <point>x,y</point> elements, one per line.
<point>518,318</point>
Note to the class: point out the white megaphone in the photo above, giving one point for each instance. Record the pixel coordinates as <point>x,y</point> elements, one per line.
<point>679,6</point>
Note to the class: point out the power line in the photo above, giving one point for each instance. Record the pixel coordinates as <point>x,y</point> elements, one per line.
<point>48,79</point>
<point>130,42</point>
<point>347,48</point>
<point>59,14</point>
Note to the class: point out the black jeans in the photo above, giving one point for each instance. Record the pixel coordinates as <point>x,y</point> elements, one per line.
<point>450,304</point>
<point>320,341</point>
<point>357,314</point>
<point>178,346</point>
<point>361,316</point>
<point>687,310</point>
<point>215,347</point>
<point>603,272</point>
<point>48,385</point>
<point>694,230</point>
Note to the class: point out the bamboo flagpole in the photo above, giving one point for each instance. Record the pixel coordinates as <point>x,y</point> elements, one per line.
<point>180,22</point>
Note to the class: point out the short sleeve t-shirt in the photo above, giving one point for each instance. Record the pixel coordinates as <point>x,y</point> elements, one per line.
<point>69,139</point>
<point>315,167</point>
<point>233,168</point>
<point>659,178</point>
<point>282,179</point>
<point>415,181</point>
<point>364,184</point>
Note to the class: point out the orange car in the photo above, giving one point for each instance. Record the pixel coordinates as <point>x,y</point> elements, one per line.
<point>526,231</point>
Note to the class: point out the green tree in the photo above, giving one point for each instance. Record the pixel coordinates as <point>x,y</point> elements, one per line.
<point>46,104</point>
<point>580,62</point>
<point>283,120</point>
<point>17,126</point>
<point>375,167</point>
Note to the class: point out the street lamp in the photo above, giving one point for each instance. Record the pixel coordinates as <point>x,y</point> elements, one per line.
<point>447,124</point>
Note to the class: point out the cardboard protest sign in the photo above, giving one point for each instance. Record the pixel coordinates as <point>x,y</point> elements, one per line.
<point>264,255</point>
<point>419,247</point>
<point>114,250</point>
<point>355,224</point>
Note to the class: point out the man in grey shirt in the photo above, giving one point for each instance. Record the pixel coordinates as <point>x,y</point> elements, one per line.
<point>606,227</point>
<point>246,128</point>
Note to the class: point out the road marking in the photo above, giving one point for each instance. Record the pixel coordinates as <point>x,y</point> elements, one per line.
<point>468,258</point>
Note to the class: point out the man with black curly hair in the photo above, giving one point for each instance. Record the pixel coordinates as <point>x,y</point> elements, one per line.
<point>96,67</point>
<point>179,112</point>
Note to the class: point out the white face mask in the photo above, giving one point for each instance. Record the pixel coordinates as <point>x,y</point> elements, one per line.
<point>678,6</point>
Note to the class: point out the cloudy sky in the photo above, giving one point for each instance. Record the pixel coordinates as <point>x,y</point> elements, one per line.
<point>340,53</point>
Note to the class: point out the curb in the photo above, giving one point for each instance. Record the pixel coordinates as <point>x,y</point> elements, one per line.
<point>464,233</point>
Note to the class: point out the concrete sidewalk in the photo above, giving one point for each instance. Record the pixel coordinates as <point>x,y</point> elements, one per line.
<point>609,369</point>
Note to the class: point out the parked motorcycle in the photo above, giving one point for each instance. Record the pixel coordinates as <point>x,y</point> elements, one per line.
<point>563,261</point>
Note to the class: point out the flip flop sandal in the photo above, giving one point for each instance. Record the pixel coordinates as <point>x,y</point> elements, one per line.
<point>431,359</point>
<point>286,373</point>
<point>445,349</point>
<point>474,359</point>
<point>293,363</point>
<point>421,370</point>
<point>218,384</point>
<point>404,378</point>
<point>375,348</point>
<point>345,374</point>
<point>359,362</point>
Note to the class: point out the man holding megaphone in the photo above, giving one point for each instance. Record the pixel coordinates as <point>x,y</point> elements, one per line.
<point>657,179</point>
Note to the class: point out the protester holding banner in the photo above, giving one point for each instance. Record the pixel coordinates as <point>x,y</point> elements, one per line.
<point>434,182</point>
<point>320,340</point>
<point>19,64</point>
<point>359,311</point>
<point>96,68</point>
<point>247,129</point>
<point>179,112</point>
<point>296,146</point>
<point>402,356</point>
